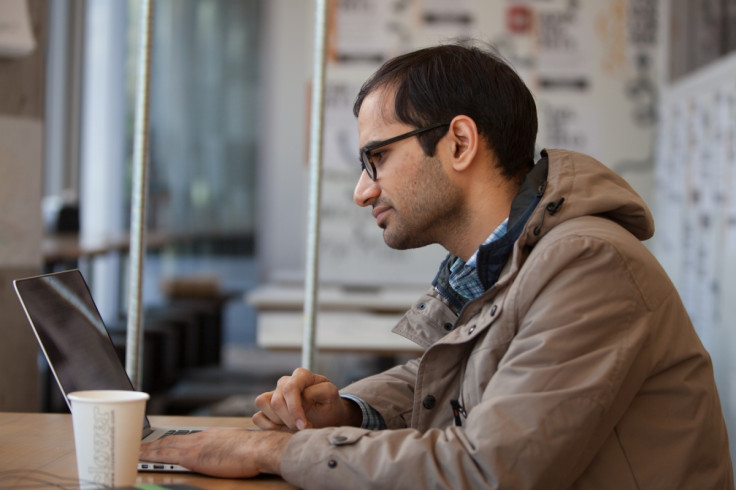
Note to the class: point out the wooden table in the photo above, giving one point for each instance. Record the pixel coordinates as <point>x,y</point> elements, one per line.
<point>37,451</point>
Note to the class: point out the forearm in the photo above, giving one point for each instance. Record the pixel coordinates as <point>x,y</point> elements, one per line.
<point>270,450</point>
<point>344,457</point>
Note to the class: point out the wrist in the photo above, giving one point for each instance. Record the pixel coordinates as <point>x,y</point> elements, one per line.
<point>271,450</point>
<point>353,413</point>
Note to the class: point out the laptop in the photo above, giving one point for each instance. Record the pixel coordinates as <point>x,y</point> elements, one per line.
<point>77,345</point>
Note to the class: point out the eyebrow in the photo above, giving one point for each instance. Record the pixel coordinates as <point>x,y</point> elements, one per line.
<point>371,143</point>
<point>367,145</point>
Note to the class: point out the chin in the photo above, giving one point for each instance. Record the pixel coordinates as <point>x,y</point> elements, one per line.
<point>404,243</point>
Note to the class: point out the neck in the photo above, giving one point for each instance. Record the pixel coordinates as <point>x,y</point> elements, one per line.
<point>488,205</point>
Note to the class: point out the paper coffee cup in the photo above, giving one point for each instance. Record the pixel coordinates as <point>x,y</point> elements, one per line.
<point>108,425</point>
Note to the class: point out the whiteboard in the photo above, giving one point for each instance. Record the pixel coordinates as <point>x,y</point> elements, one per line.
<point>695,211</point>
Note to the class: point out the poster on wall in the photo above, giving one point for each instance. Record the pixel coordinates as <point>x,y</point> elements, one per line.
<point>589,65</point>
<point>365,31</point>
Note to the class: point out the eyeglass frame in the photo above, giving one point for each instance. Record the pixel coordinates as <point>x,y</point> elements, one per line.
<point>366,161</point>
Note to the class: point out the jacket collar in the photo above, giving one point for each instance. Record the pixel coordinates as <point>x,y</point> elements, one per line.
<point>493,256</point>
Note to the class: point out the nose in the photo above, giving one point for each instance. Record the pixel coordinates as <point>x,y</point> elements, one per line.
<point>366,190</point>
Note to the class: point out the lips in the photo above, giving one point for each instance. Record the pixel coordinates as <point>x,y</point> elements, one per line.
<point>380,213</point>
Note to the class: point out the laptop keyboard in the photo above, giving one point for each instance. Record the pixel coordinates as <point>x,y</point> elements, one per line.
<point>180,432</point>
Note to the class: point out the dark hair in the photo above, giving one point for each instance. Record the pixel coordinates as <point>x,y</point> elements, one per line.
<point>435,84</point>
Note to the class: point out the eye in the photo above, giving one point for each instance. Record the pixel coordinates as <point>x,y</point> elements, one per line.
<point>377,157</point>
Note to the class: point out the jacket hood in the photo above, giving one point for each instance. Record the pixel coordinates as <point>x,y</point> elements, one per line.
<point>579,185</point>
<point>563,185</point>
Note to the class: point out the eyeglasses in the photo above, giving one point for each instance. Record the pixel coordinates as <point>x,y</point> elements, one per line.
<point>366,158</point>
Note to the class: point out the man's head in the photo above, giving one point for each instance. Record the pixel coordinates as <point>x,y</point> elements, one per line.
<point>447,133</point>
<point>435,84</point>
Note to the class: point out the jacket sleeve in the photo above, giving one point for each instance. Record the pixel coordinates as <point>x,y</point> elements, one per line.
<point>573,364</point>
<point>391,393</point>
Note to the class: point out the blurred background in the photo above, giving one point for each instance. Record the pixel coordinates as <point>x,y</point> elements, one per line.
<point>646,86</point>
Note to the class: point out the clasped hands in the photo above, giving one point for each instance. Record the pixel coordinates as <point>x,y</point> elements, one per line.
<point>304,400</point>
<point>300,401</point>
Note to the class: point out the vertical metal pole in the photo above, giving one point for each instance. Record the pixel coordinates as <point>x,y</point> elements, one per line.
<point>134,339</point>
<point>315,184</point>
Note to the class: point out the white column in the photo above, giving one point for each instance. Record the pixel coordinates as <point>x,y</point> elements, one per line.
<point>103,144</point>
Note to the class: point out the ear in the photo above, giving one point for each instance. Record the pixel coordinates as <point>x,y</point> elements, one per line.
<point>464,140</point>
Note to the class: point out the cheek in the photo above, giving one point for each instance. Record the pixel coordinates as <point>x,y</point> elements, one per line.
<point>406,187</point>
<point>427,175</point>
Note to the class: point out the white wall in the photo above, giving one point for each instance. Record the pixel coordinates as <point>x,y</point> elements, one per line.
<point>287,68</point>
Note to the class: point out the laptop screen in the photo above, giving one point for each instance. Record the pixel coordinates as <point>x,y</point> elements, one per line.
<point>71,333</point>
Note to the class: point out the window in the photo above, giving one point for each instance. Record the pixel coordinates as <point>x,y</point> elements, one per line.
<point>204,94</point>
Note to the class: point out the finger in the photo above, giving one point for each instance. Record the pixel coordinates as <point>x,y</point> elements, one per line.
<point>281,411</point>
<point>305,377</point>
<point>292,389</point>
<point>170,449</point>
<point>162,454</point>
<point>263,399</point>
<point>263,422</point>
<point>263,402</point>
<point>323,405</point>
<point>320,393</point>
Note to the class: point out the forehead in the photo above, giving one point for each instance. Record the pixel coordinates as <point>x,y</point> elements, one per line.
<point>376,113</point>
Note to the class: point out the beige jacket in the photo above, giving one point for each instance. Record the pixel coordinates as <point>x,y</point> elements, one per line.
<point>579,369</point>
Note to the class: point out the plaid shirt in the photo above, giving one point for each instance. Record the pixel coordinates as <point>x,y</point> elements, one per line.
<point>463,275</point>
<point>464,280</point>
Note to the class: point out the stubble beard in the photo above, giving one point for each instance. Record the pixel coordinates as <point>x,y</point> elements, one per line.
<point>430,215</point>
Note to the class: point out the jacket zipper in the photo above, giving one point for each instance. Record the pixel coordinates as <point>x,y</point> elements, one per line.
<point>458,411</point>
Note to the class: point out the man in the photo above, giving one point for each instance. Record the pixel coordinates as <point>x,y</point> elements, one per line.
<point>558,353</point>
